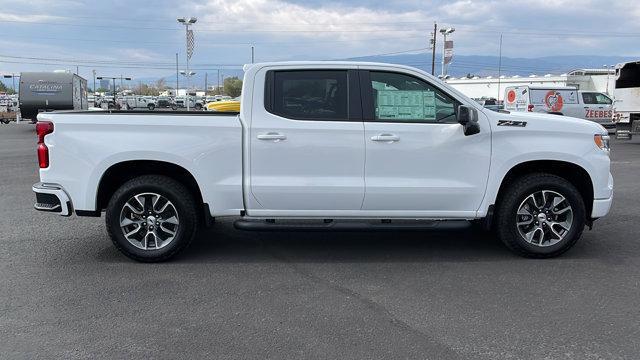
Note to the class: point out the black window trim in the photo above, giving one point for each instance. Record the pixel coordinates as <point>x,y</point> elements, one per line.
<point>354,103</point>
<point>368,111</point>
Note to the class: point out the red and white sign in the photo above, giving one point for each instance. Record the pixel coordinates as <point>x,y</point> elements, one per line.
<point>553,100</point>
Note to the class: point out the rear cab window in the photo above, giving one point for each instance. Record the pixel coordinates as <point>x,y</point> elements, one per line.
<point>309,94</point>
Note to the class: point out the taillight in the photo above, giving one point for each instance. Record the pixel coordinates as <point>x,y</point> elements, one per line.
<point>43,128</point>
<point>530,108</point>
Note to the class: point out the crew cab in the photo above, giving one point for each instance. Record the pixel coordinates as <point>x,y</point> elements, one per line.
<point>338,145</point>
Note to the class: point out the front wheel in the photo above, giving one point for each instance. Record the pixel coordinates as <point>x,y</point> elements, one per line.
<point>540,216</point>
<point>151,218</point>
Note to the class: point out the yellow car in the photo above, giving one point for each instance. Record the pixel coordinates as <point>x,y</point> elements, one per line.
<point>224,106</point>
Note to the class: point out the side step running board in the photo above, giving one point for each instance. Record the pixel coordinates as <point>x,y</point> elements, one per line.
<point>348,225</point>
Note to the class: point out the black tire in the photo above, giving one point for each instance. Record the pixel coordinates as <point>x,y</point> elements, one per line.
<point>151,107</point>
<point>515,194</point>
<point>172,190</point>
<point>174,107</point>
<point>198,106</point>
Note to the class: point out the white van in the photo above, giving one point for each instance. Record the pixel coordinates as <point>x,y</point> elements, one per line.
<point>568,101</point>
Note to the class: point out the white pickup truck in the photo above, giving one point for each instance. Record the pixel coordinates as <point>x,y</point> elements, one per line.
<point>340,145</point>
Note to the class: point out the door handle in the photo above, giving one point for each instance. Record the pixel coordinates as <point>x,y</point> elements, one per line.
<point>272,136</point>
<point>386,138</point>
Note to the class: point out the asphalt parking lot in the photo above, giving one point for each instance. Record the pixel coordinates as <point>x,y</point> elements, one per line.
<point>66,292</point>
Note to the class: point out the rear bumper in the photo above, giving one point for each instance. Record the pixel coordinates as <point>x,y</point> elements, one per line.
<point>52,198</point>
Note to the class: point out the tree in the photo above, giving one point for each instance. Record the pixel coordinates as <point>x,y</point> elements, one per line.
<point>146,90</point>
<point>233,86</point>
<point>161,85</point>
<point>5,89</point>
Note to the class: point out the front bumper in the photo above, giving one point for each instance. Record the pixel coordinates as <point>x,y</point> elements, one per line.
<point>52,198</point>
<point>601,207</point>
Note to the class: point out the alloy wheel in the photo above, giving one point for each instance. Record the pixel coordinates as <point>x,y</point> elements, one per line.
<point>149,221</point>
<point>544,218</point>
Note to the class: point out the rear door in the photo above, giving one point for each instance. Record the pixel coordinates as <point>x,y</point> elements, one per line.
<point>306,143</point>
<point>418,160</point>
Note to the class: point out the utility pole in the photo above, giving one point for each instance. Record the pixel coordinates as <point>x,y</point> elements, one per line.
<point>252,54</point>
<point>499,66</point>
<point>205,83</point>
<point>434,36</point>
<point>94,80</point>
<point>177,75</point>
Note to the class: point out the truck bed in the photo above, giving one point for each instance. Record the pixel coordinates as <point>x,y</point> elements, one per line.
<point>86,144</point>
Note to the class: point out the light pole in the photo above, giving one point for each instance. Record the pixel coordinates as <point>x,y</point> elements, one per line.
<point>189,43</point>
<point>187,98</point>
<point>606,67</point>
<point>445,32</point>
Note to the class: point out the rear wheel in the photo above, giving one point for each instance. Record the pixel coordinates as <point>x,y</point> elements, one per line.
<point>151,107</point>
<point>151,218</point>
<point>540,216</point>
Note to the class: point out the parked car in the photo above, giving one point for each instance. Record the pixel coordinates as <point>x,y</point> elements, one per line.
<point>297,151</point>
<point>568,101</point>
<point>134,102</point>
<point>195,102</point>
<point>224,106</point>
<point>166,102</point>
<point>491,104</point>
<point>8,111</point>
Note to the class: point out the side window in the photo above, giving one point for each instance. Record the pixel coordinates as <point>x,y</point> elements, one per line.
<point>309,95</point>
<point>589,98</point>
<point>603,99</point>
<point>404,98</point>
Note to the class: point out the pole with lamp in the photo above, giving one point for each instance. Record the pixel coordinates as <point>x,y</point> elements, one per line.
<point>190,43</point>
<point>187,75</point>
<point>445,32</point>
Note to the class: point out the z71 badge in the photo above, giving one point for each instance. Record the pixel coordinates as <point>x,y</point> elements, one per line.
<point>512,123</point>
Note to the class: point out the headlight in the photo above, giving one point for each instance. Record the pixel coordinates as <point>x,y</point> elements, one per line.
<point>602,141</point>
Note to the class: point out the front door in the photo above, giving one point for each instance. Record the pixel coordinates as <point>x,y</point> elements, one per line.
<point>597,107</point>
<point>306,144</point>
<point>418,160</point>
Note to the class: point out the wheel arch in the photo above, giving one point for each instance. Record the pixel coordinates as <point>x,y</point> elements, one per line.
<point>575,174</point>
<point>117,174</point>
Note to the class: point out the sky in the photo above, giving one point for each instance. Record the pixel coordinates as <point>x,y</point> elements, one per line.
<point>140,38</point>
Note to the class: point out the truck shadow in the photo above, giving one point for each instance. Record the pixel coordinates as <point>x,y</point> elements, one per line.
<point>223,243</point>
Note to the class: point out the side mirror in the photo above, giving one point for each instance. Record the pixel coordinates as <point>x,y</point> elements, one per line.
<point>468,118</point>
